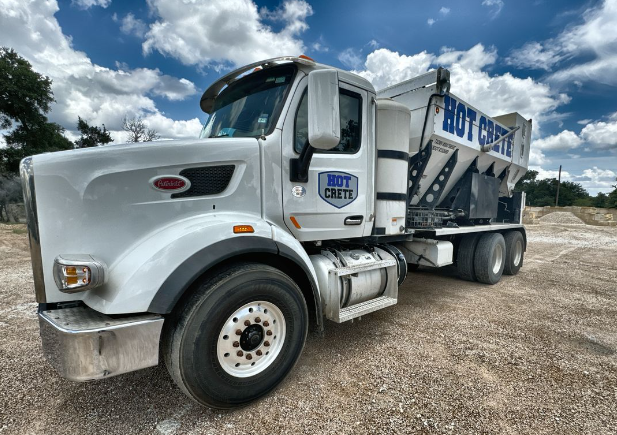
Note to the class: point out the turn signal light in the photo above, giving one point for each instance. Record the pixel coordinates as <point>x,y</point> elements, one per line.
<point>303,56</point>
<point>243,229</point>
<point>75,273</point>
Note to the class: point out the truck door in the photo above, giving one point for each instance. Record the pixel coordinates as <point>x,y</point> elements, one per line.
<point>334,203</point>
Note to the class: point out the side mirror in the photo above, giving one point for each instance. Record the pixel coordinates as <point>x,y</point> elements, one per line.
<point>324,119</point>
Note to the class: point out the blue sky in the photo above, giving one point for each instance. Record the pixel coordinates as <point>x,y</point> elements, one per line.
<point>554,61</point>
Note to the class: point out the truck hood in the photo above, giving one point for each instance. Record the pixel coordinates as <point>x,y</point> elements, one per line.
<point>102,201</point>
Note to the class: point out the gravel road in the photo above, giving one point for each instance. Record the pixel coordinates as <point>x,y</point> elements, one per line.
<point>532,354</point>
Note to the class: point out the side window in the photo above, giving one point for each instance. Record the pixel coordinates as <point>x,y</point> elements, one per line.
<point>351,123</point>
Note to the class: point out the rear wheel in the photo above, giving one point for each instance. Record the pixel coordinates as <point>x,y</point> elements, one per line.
<point>465,256</point>
<point>515,251</point>
<point>489,258</point>
<point>237,336</point>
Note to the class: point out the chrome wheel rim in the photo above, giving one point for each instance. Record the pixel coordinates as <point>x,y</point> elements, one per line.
<point>497,258</point>
<point>251,339</point>
<point>518,252</point>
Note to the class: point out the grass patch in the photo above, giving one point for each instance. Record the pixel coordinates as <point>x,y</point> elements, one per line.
<point>20,231</point>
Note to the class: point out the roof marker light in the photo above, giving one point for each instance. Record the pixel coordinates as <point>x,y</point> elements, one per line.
<point>302,56</point>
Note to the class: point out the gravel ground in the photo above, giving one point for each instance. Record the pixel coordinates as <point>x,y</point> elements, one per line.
<point>532,354</point>
<point>562,218</point>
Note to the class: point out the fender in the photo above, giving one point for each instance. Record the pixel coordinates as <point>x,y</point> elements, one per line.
<point>136,277</point>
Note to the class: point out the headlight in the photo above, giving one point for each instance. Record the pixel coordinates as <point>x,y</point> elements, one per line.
<point>76,273</point>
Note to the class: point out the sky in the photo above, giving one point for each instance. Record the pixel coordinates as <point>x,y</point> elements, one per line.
<point>553,61</point>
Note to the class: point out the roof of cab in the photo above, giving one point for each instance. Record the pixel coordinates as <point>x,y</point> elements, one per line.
<point>208,97</point>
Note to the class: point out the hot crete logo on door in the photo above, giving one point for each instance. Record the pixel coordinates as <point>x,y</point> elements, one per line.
<point>460,120</point>
<point>338,188</point>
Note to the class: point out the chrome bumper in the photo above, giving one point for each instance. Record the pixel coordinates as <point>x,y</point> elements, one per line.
<point>83,344</point>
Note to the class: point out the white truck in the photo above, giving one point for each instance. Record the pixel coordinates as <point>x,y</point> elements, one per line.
<point>308,196</point>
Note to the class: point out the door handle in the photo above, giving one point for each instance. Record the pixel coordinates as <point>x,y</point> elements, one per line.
<point>354,220</point>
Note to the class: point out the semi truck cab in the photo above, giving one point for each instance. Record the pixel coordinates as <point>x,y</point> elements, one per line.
<point>308,196</point>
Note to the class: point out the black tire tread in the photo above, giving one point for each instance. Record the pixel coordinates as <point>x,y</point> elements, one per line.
<point>465,256</point>
<point>510,238</point>
<point>483,258</point>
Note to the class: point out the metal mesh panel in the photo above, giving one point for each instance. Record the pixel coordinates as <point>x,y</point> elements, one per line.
<point>424,219</point>
<point>209,180</point>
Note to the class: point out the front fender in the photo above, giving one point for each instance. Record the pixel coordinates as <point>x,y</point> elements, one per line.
<point>142,280</point>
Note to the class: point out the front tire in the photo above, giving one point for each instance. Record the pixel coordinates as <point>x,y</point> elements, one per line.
<point>237,337</point>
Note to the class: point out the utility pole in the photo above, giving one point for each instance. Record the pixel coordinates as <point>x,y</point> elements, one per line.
<point>558,183</point>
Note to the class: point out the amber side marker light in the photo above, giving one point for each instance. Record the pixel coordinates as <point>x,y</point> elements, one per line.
<point>295,222</point>
<point>302,56</point>
<point>238,229</point>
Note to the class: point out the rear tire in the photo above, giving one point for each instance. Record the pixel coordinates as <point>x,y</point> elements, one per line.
<point>515,251</point>
<point>489,259</point>
<point>213,364</point>
<point>465,256</point>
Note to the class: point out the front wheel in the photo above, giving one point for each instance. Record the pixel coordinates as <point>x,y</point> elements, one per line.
<point>237,337</point>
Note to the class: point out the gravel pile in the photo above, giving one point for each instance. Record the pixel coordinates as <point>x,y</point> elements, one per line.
<point>534,353</point>
<point>561,218</point>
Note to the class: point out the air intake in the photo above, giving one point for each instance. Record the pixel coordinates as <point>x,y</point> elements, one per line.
<point>209,180</point>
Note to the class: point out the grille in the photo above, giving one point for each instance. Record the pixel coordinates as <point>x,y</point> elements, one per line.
<point>424,219</point>
<point>209,180</point>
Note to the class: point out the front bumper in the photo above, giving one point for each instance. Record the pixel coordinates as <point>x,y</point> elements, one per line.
<point>83,344</point>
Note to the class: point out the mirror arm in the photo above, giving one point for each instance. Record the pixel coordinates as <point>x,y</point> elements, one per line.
<point>298,167</point>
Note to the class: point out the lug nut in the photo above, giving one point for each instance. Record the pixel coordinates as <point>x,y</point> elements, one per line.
<point>249,356</point>
<point>258,353</point>
<point>257,319</point>
<point>239,353</point>
<point>236,344</point>
<point>238,332</point>
<point>247,323</point>
<point>266,324</point>
<point>266,343</point>
<point>268,332</point>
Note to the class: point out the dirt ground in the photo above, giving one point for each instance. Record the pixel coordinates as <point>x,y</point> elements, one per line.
<point>532,354</point>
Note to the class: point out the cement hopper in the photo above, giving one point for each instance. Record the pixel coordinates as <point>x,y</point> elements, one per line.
<point>463,163</point>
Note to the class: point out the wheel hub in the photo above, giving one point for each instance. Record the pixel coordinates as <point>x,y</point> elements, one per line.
<point>251,339</point>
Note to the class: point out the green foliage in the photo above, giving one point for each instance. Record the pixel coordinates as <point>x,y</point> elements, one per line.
<point>25,99</point>
<point>91,136</point>
<point>541,193</point>
<point>25,95</point>
<point>38,138</point>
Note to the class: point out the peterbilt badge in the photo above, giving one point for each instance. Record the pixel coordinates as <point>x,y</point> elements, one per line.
<point>170,183</point>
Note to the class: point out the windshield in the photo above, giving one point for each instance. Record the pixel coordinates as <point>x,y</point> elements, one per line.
<point>250,106</point>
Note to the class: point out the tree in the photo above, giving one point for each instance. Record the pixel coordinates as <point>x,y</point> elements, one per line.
<point>137,130</point>
<point>10,193</point>
<point>541,193</point>
<point>25,99</point>
<point>91,136</point>
<point>36,139</point>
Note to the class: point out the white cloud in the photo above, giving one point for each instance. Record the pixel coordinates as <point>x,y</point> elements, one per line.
<point>584,121</point>
<point>431,21</point>
<point>81,88</point>
<point>444,11</point>
<point>494,95</point>
<point>601,135</point>
<point>384,67</point>
<point>594,179</point>
<point>590,46</point>
<point>564,140</point>
<point>86,4</point>
<point>208,33</point>
<point>373,44</point>
<point>537,157</point>
<point>550,173</point>
<point>495,7</point>
<point>350,58</point>
<point>129,25</point>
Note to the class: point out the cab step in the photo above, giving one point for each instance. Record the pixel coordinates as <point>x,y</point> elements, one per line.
<point>363,308</point>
